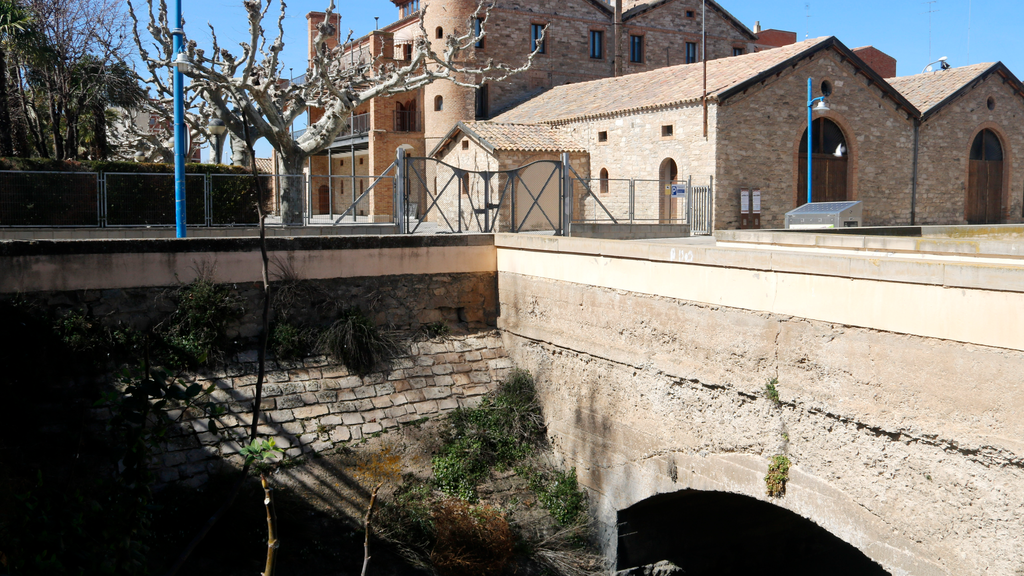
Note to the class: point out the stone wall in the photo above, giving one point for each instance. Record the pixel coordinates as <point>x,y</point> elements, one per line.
<point>759,139</point>
<point>901,445</point>
<point>636,149</point>
<point>314,405</point>
<point>945,145</point>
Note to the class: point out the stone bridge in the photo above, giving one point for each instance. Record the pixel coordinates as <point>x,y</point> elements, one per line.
<point>899,365</point>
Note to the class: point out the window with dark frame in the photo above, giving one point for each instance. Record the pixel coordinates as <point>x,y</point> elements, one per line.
<point>636,48</point>
<point>596,44</point>
<point>602,136</point>
<point>604,181</point>
<point>691,52</point>
<point>737,51</point>
<point>439,33</point>
<point>536,33</point>
<point>481,102</point>
<point>478,27</point>
<point>666,130</point>
<point>465,143</point>
<point>691,14</point>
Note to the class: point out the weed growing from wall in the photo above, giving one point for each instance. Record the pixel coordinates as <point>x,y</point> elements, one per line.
<point>778,475</point>
<point>290,342</point>
<point>355,341</point>
<point>435,330</point>
<point>771,392</point>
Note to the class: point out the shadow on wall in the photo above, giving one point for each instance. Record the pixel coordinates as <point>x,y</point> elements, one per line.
<point>724,534</point>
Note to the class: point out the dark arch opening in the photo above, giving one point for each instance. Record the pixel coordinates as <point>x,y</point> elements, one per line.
<point>724,534</point>
<point>829,152</point>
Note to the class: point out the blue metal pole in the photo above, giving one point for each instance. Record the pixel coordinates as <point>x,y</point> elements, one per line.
<point>179,128</point>
<point>809,136</point>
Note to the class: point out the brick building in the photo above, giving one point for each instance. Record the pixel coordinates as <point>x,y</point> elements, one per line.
<point>936,148</point>
<point>583,40</point>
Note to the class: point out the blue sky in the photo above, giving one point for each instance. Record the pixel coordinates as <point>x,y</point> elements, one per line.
<point>897,27</point>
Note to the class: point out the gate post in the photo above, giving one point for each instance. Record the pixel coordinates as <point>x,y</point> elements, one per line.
<point>399,190</point>
<point>566,214</point>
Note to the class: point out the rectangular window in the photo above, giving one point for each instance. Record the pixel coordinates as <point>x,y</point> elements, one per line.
<point>691,14</point>
<point>602,136</point>
<point>636,48</point>
<point>691,52</point>
<point>666,131</point>
<point>737,51</point>
<point>478,27</point>
<point>481,102</point>
<point>536,44</point>
<point>596,44</point>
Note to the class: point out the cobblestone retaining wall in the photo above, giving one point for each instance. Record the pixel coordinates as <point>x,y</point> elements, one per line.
<point>314,405</point>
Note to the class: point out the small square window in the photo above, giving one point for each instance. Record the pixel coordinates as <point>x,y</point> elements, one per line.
<point>691,14</point>
<point>666,131</point>
<point>465,144</point>
<point>602,136</point>
<point>737,51</point>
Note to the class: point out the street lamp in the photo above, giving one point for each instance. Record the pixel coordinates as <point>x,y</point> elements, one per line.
<point>217,129</point>
<point>941,62</point>
<point>181,64</point>
<point>821,107</point>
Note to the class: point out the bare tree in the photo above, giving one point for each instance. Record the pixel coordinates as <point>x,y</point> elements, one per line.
<point>252,82</point>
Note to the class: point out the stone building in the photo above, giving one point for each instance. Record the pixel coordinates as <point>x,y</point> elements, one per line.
<point>582,40</point>
<point>934,148</point>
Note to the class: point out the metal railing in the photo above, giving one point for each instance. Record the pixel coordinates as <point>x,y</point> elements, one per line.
<point>644,201</point>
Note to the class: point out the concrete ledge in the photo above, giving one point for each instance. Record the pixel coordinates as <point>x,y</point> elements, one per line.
<point>221,232</point>
<point>630,231</point>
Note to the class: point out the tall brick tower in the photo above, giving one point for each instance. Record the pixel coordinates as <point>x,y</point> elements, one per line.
<point>455,102</point>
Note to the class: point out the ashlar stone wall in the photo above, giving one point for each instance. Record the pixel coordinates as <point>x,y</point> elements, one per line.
<point>945,145</point>
<point>636,149</point>
<point>759,139</point>
<point>314,405</point>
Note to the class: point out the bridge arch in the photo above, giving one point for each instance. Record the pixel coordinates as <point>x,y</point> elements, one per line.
<point>723,533</point>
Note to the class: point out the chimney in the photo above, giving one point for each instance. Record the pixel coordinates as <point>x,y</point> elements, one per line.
<point>757,27</point>
<point>617,32</point>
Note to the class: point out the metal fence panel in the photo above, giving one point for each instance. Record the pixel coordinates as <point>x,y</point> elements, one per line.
<point>49,199</point>
<point>602,200</point>
<point>141,199</point>
<point>232,199</point>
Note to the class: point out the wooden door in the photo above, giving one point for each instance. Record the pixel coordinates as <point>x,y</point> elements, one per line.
<point>323,200</point>
<point>667,174</point>
<point>983,204</point>
<point>830,164</point>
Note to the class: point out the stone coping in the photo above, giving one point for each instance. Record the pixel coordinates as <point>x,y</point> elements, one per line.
<point>49,233</point>
<point>1003,241</point>
<point>894,267</point>
<point>277,244</point>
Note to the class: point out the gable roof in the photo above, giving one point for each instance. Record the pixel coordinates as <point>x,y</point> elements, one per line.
<point>932,91</point>
<point>678,85</point>
<point>641,7</point>
<point>494,136</point>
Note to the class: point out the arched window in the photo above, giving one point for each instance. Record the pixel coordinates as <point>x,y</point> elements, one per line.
<point>438,103</point>
<point>439,33</point>
<point>604,181</point>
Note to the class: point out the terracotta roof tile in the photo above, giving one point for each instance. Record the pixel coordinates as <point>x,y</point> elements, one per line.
<point>649,90</point>
<point>928,90</point>
<point>523,137</point>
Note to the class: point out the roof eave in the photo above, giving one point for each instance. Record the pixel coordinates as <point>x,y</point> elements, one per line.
<point>633,13</point>
<point>998,67</point>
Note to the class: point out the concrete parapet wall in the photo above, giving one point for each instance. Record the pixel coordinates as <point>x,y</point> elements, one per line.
<point>651,370</point>
<point>313,405</point>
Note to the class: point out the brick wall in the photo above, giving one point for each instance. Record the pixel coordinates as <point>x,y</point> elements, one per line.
<point>313,405</point>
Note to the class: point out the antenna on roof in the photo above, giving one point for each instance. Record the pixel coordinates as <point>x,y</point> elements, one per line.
<point>807,20</point>
<point>931,10</point>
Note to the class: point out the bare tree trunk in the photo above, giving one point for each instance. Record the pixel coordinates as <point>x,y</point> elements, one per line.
<point>293,190</point>
<point>31,119</point>
<point>272,543</point>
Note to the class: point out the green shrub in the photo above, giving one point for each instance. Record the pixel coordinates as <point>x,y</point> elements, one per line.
<point>561,495</point>
<point>194,332</point>
<point>778,475</point>
<point>437,330</point>
<point>289,342</point>
<point>502,430</point>
<point>355,341</point>
<point>771,392</point>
